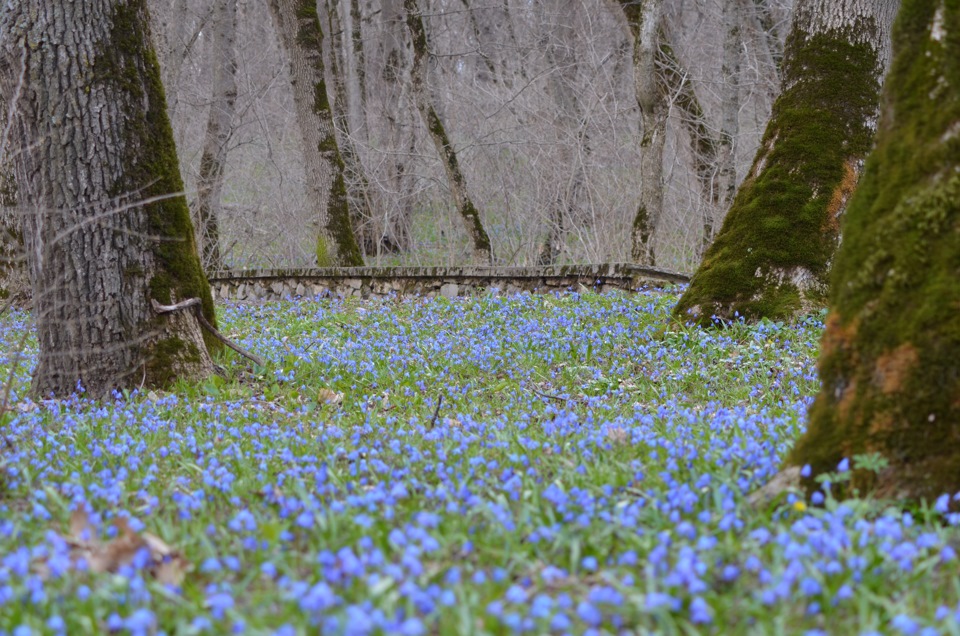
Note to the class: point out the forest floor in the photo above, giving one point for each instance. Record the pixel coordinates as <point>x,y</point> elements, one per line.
<point>540,464</point>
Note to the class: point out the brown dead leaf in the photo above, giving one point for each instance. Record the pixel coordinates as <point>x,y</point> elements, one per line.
<point>172,570</point>
<point>453,423</point>
<point>328,396</point>
<point>618,435</point>
<point>162,561</point>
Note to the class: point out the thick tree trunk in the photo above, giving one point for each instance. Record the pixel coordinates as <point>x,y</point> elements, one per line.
<point>772,256</point>
<point>13,279</point>
<point>106,227</point>
<point>890,363</point>
<point>644,19</point>
<point>482,252</point>
<point>298,27</point>
<point>213,161</point>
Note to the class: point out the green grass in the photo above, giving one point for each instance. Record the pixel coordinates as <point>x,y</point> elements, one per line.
<point>547,464</point>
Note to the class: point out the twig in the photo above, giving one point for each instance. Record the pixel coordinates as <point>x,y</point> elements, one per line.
<point>436,412</point>
<point>195,302</point>
<point>552,397</point>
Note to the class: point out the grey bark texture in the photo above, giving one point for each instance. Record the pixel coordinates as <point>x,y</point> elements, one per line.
<point>568,120</point>
<point>106,227</point>
<point>299,30</point>
<point>482,252</point>
<point>223,101</point>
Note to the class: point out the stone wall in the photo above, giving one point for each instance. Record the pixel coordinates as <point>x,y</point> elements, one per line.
<point>366,282</point>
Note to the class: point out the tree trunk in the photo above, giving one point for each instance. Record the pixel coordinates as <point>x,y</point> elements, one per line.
<point>773,253</point>
<point>890,362</point>
<point>482,252</point>
<point>704,145</point>
<point>213,161</point>
<point>358,188</point>
<point>298,27</point>
<point>644,19</point>
<point>568,125</point>
<point>13,280</point>
<point>730,114</point>
<point>107,229</point>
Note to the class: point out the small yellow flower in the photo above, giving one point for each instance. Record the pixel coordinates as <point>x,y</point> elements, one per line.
<point>799,506</point>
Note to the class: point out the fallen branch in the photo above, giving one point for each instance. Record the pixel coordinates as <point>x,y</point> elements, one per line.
<point>436,412</point>
<point>195,302</point>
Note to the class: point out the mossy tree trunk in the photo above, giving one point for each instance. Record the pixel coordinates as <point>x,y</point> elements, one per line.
<point>299,30</point>
<point>213,161</point>
<point>644,19</point>
<point>358,186</point>
<point>482,251</point>
<point>106,227</point>
<point>890,362</point>
<point>773,253</point>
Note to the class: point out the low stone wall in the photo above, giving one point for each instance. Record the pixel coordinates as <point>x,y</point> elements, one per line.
<point>366,282</point>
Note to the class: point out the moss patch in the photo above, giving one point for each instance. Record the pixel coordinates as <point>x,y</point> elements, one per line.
<point>890,365</point>
<point>772,256</point>
<point>151,167</point>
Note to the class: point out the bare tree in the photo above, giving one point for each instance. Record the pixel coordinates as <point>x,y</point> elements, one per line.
<point>644,20</point>
<point>482,252</point>
<point>107,231</point>
<point>223,101</point>
<point>890,362</point>
<point>298,24</point>
<point>773,254</point>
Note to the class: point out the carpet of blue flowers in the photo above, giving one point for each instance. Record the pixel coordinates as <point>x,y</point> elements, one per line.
<point>533,464</point>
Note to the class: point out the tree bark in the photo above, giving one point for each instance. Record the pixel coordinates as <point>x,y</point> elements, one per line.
<point>890,360</point>
<point>644,20</point>
<point>482,252</point>
<point>730,114</point>
<point>358,187</point>
<point>772,256</point>
<point>568,125</point>
<point>213,161</point>
<point>106,227</point>
<point>298,27</point>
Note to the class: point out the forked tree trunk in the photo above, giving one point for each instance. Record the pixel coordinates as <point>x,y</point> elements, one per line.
<point>772,256</point>
<point>469,214</point>
<point>298,27</point>
<point>890,361</point>
<point>106,227</point>
<point>213,161</point>
<point>644,19</point>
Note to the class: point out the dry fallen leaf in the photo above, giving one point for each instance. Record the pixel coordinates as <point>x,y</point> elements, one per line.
<point>165,563</point>
<point>617,435</point>
<point>328,396</point>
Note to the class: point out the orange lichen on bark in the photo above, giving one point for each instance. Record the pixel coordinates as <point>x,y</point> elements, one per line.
<point>841,195</point>
<point>893,368</point>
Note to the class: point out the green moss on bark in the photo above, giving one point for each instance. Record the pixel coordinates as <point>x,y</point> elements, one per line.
<point>890,364</point>
<point>339,229</point>
<point>772,256</point>
<point>151,167</point>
